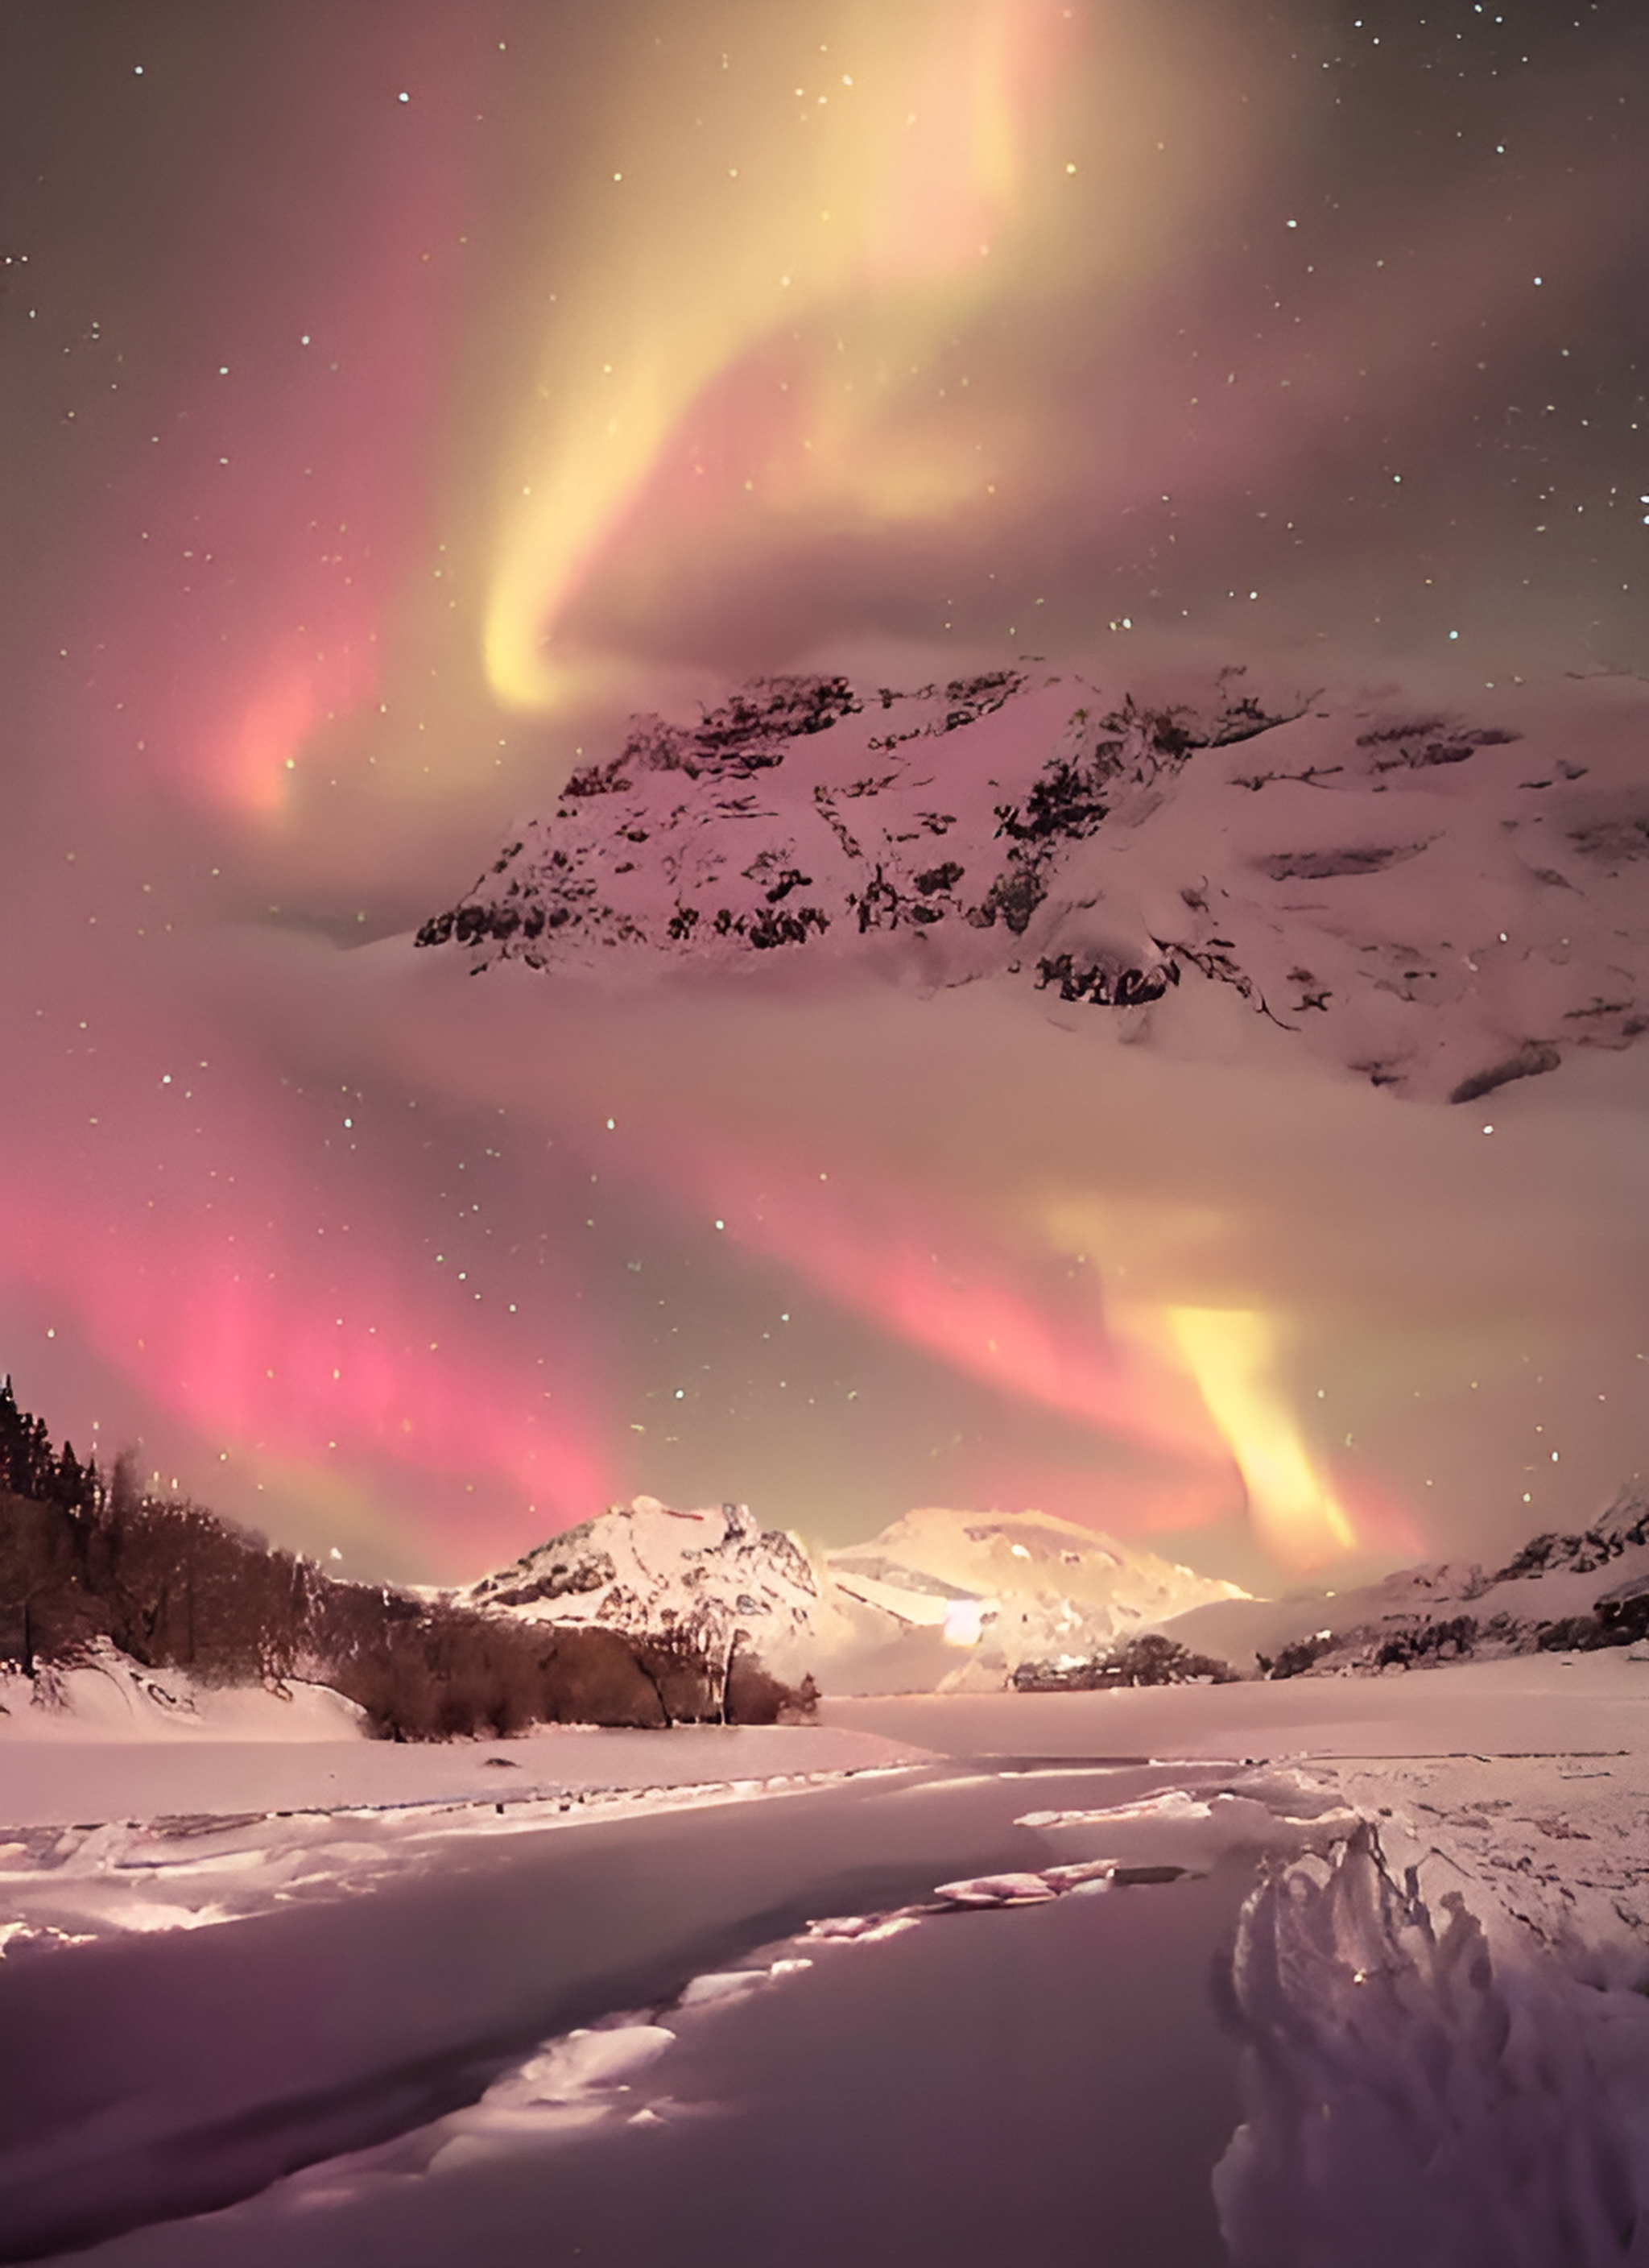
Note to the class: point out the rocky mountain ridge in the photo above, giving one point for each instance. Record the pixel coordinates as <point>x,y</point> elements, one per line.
<point>1560,1593</point>
<point>710,1581</point>
<point>1110,853</point>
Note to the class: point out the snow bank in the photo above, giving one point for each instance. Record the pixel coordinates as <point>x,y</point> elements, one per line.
<point>109,1696</point>
<point>58,1782</point>
<point>1545,1702</point>
<point>1409,2096</point>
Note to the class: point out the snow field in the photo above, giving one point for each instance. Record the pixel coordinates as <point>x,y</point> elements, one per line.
<point>899,2077</point>
<point>979,1984</point>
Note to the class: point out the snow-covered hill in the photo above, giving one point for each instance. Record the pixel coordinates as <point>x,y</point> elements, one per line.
<point>1578,1590</point>
<point>1001,1588</point>
<point>1439,902</point>
<point>104,1696</point>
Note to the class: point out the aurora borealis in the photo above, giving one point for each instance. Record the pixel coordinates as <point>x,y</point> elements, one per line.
<point>399,396</point>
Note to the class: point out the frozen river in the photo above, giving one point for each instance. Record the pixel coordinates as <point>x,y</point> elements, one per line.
<point>1051,2080</point>
<point>715,1997</point>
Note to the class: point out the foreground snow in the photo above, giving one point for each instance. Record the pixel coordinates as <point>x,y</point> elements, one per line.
<point>110,1697</point>
<point>155,2076</point>
<point>655,2021</point>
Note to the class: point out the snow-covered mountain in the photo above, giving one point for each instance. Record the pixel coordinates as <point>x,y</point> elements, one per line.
<point>940,1600</point>
<point>1000,1588</point>
<point>1439,902</point>
<point>1558,1590</point>
<point>703,1578</point>
<point>949,1602</point>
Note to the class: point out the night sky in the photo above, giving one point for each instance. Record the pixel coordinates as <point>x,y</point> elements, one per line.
<point>398,396</point>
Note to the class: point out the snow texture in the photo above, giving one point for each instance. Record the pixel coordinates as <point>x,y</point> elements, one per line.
<point>1437,902</point>
<point>104,1695</point>
<point>1410,2097</point>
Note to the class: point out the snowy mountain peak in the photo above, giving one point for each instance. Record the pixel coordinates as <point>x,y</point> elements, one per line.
<point>650,1570</point>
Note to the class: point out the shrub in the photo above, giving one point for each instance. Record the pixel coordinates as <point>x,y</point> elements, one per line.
<point>1151,1660</point>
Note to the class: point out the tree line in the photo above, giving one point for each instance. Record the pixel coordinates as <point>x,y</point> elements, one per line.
<point>86,1554</point>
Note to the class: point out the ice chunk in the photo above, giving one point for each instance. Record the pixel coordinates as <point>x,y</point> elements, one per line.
<point>583,2060</point>
<point>721,1984</point>
<point>1175,1828</point>
<point>996,1890</point>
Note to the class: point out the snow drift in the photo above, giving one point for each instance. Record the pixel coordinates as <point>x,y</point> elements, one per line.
<point>1407,2095</point>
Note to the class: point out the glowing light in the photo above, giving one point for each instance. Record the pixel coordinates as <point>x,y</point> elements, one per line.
<point>889,196</point>
<point>963,1620</point>
<point>254,773</point>
<point>932,1283</point>
<point>225,1328</point>
<point>1233,1353</point>
<point>290,534</point>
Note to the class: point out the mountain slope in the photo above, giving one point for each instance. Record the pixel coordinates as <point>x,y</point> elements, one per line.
<point>1559,1592</point>
<point>707,1577</point>
<point>1437,902</point>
